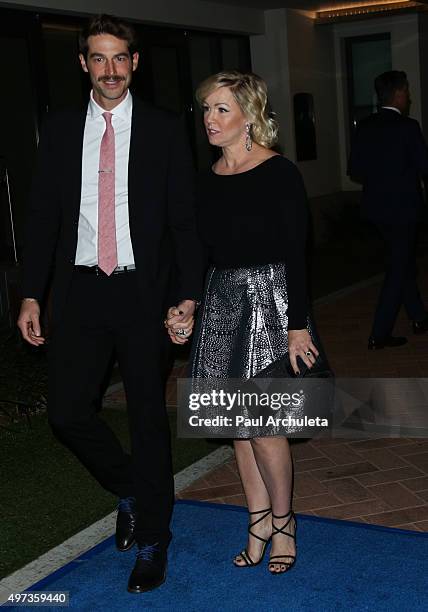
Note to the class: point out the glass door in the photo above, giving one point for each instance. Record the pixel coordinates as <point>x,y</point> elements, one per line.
<point>209,54</point>
<point>366,58</point>
<point>20,109</point>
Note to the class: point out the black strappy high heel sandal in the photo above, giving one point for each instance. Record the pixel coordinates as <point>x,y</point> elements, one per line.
<point>244,554</point>
<point>276,531</point>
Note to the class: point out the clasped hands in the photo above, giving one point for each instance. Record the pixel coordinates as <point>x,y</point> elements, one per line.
<point>180,320</point>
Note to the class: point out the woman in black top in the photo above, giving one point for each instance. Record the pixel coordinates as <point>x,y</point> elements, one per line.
<point>252,221</point>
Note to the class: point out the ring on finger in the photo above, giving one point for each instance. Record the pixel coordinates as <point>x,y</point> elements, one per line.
<point>308,353</point>
<point>181,332</point>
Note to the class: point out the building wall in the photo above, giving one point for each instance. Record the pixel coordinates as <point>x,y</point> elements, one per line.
<point>289,67</point>
<point>312,70</point>
<point>293,55</point>
<point>184,13</point>
<point>404,32</point>
<point>269,57</point>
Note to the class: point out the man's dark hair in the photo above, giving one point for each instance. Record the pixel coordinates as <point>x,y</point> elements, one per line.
<point>107,24</point>
<point>387,83</point>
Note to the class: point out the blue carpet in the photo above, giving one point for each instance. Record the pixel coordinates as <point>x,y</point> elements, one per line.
<point>340,565</point>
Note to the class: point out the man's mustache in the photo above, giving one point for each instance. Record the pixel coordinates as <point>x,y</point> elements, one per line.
<point>111,77</point>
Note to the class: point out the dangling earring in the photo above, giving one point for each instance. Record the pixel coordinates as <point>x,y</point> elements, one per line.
<point>248,139</point>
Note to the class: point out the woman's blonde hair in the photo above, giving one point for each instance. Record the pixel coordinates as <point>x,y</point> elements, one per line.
<point>250,92</point>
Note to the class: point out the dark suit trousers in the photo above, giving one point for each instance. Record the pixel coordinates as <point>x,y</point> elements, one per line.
<point>104,316</point>
<point>399,285</point>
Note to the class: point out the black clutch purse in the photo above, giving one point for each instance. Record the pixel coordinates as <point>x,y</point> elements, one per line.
<point>282,367</point>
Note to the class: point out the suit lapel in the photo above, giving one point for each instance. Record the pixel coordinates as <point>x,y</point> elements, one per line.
<point>74,169</point>
<point>139,165</point>
<point>143,186</point>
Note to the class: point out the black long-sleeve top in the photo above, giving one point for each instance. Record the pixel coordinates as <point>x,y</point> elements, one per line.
<point>258,217</point>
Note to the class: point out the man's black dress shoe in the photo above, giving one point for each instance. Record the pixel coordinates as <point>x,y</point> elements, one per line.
<point>420,327</point>
<point>125,524</point>
<point>388,341</point>
<point>150,568</point>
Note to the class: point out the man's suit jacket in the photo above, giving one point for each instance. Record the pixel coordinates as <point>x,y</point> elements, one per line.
<point>388,156</point>
<point>161,210</point>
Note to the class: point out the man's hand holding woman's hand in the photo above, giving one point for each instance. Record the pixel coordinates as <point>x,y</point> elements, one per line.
<point>180,320</point>
<point>300,344</point>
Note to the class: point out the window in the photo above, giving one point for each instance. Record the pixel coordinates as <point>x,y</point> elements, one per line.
<point>366,57</point>
<point>304,127</point>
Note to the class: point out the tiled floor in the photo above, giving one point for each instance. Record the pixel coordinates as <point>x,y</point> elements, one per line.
<point>380,481</point>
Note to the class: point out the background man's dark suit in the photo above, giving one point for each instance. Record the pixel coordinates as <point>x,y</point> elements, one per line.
<point>124,311</point>
<point>388,157</point>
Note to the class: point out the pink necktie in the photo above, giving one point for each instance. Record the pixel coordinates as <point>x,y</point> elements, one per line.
<point>107,247</point>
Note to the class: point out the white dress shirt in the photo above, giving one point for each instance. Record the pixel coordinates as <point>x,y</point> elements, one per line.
<point>87,242</point>
<point>392,108</point>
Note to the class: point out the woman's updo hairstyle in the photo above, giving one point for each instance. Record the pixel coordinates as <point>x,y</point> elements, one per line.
<point>250,92</point>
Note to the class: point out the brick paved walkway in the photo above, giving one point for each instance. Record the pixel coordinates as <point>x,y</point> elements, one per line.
<point>382,481</point>
<point>344,324</point>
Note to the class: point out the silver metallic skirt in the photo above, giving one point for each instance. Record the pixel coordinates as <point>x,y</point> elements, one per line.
<point>242,325</point>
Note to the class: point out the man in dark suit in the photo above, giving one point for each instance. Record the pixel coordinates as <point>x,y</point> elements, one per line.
<point>111,215</point>
<point>388,157</point>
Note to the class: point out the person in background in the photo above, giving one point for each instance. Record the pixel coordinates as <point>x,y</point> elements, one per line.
<point>389,156</point>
